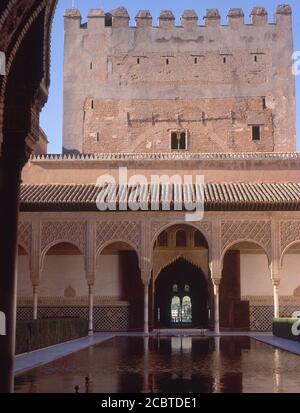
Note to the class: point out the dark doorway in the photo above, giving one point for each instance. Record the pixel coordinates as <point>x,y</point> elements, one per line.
<point>234,312</point>
<point>181,296</point>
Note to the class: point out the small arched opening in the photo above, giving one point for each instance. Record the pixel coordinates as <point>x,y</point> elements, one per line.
<point>245,278</point>
<point>181,296</point>
<point>118,284</point>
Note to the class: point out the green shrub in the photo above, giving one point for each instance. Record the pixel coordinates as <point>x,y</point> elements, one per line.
<point>47,332</point>
<point>282,327</point>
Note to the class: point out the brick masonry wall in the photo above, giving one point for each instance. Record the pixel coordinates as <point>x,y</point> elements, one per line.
<point>219,125</point>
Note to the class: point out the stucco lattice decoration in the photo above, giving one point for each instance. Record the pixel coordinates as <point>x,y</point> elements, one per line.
<point>25,235</point>
<point>255,231</point>
<point>125,231</point>
<point>289,232</point>
<point>66,231</point>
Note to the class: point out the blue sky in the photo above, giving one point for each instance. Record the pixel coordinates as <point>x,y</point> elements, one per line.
<point>51,118</point>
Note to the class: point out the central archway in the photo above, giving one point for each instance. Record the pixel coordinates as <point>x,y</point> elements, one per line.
<point>181,296</point>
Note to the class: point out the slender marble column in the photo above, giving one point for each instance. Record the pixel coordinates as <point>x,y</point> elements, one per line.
<point>276,297</point>
<point>216,307</point>
<point>35,302</point>
<point>91,310</point>
<point>146,308</point>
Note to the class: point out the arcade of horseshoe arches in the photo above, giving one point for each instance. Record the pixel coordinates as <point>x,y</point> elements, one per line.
<point>263,245</point>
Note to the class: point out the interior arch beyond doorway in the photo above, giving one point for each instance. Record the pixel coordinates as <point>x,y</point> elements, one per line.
<point>181,274</point>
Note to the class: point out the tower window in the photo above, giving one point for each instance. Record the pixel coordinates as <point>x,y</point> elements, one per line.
<point>91,65</point>
<point>92,104</point>
<point>196,60</point>
<point>138,61</point>
<point>179,140</point>
<point>181,238</point>
<point>167,61</point>
<point>255,58</point>
<point>162,240</point>
<point>264,103</point>
<point>256,133</point>
<point>98,137</point>
<point>224,59</point>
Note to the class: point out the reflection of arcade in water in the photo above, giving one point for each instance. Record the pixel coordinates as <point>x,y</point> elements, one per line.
<point>192,365</point>
<point>170,364</point>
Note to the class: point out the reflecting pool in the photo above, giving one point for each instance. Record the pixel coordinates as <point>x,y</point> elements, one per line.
<point>169,364</point>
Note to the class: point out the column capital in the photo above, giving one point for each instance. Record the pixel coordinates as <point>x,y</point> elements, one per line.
<point>275,273</point>
<point>90,278</point>
<point>35,277</point>
<point>145,267</point>
<point>146,280</point>
<point>216,281</point>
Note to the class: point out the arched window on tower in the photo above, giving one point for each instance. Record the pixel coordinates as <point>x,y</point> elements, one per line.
<point>182,141</point>
<point>179,140</point>
<point>162,240</point>
<point>181,238</point>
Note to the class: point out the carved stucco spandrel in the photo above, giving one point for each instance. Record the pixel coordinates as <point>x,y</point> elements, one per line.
<point>53,232</point>
<point>25,235</point>
<point>113,231</point>
<point>289,233</point>
<point>258,232</point>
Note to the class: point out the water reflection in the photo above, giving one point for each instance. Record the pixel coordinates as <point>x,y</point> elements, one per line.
<point>169,364</point>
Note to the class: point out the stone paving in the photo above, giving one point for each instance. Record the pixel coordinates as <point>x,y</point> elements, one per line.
<point>28,361</point>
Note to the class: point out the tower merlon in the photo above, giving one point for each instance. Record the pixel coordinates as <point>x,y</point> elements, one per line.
<point>235,18</point>
<point>143,18</point>
<point>96,20</point>
<point>189,19</point>
<point>72,19</point>
<point>259,16</point>
<point>120,17</point>
<point>283,15</point>
<point>166,19</point>
<point>212,17</point>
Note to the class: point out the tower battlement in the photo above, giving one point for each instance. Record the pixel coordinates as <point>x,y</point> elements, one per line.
<point>119,18</point>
